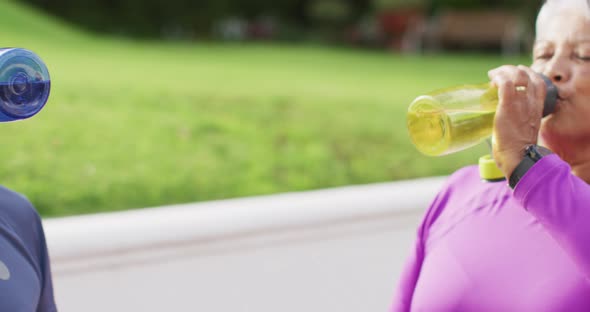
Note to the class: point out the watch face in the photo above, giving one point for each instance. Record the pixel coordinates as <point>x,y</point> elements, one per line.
<point>536,152</point>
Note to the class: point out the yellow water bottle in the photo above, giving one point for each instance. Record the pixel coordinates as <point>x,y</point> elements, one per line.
<point>453,119</point>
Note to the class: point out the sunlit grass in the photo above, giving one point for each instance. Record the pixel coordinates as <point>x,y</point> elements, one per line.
<point>139,124</point>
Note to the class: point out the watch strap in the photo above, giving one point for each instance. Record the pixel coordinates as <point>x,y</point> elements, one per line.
<point>532,154</point>
<point>523,167</point>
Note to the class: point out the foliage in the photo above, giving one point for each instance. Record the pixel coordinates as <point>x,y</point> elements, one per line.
<point>194,20</point>
<point>149,18</point>
<point>330,10</point>
<point>392,4</point>
<point>139,124</point>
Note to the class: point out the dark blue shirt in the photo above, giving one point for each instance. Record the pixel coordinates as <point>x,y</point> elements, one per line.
<point>25,276</point>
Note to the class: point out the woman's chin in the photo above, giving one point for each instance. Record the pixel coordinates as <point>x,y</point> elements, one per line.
<point>558,138</point>
<point>549,136</point>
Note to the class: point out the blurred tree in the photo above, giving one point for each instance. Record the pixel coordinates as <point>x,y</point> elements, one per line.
<point>183,18</point>
<point>392,4</point>
<point>189,18</point>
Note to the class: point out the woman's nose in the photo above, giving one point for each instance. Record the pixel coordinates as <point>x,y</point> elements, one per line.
<point>557,70</point>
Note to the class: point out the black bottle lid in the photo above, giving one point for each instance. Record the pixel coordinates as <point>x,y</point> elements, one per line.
<point>550,97</point>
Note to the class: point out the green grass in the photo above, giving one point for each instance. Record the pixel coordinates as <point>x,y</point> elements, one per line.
<point>139,124</point>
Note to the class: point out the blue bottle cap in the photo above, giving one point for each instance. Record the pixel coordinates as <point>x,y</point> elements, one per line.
<point>24,84</point>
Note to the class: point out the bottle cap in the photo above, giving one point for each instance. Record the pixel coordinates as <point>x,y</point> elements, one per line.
<point>24,84</point>
<point>488,170</point>
<point>550,97</point>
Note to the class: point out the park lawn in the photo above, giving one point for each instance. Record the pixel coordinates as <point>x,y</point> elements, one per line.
<point>137,124</point>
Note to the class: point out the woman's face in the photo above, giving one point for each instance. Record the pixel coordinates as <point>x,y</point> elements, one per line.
<point>562,53</point>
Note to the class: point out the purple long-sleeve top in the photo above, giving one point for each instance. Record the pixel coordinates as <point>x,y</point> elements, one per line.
<point>484,247</point>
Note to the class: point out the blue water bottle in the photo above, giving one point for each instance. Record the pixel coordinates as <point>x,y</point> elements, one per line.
<point>24,84</point>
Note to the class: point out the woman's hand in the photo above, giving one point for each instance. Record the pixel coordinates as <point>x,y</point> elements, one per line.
<point>521,94</point>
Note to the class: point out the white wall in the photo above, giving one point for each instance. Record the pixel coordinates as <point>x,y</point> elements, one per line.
<point>330,250</point>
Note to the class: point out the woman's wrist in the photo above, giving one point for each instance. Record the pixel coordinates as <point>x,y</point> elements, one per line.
<point>508,160</point>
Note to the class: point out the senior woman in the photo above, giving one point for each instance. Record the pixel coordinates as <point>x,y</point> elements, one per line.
<point>522,245</point>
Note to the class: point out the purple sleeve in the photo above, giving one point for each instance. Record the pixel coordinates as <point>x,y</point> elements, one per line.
<point>402,298</point>
<point>560,201</point>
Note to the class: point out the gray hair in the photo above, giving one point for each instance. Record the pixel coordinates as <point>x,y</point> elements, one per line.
<point>562,1</point>
<point>550,7</point>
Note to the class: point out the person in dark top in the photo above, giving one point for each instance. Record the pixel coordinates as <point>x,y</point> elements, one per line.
<point>25,274</point>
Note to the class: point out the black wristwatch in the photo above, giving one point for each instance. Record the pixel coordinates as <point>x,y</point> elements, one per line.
<point>532,154</point>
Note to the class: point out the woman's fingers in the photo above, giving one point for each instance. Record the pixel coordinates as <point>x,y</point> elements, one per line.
<point>539,88</point>
<point>521,78</point>
<point>518,115</point>
<point>502,80</point>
